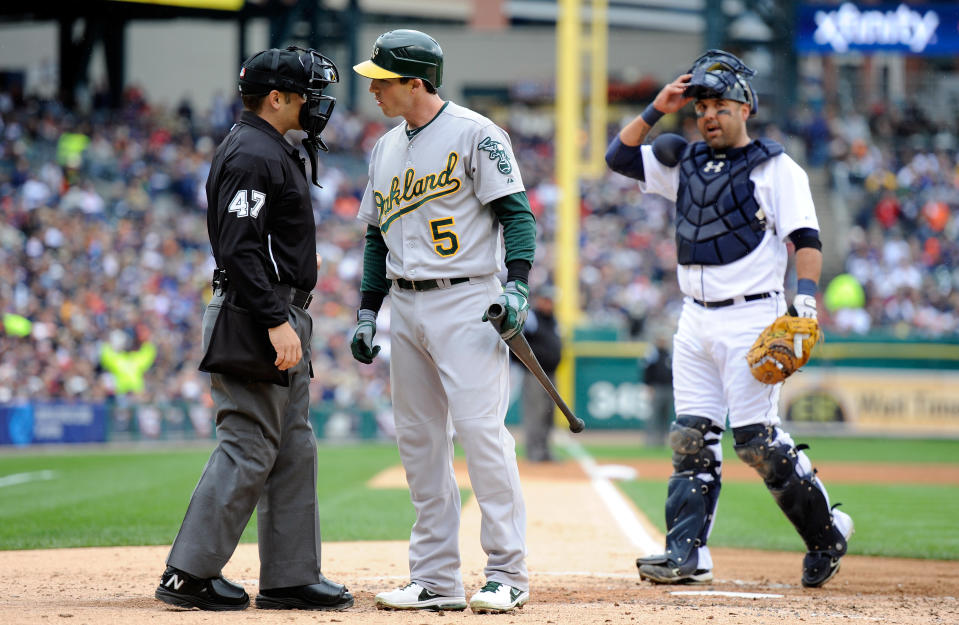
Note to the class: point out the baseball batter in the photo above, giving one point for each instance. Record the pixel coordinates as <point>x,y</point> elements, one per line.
<point>737,202</point>
<point>443,185</point>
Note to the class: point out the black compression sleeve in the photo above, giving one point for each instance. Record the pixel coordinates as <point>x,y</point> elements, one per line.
<point>371,300</point>
<point>805,237</point>
<point>518,269</point>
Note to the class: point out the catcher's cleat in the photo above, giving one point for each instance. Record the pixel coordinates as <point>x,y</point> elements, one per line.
<point>498,597</point>
<point>415,597</point>
<point>187,591</point>
<point>818,567</point>
<point>665,574</point>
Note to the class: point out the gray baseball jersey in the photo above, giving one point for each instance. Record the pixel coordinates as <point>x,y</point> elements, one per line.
<point>426,195</point>
<point>429,194</point>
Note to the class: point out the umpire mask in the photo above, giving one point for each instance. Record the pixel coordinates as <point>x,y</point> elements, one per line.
<point>296,70</point>
<point>317,109</point>
<point>315,112</point>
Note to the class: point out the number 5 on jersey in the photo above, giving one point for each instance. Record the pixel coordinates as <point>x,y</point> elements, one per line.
<point>241,206</point>
<point>446,241</point>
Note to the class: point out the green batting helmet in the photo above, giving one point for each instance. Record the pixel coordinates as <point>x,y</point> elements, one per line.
<point>404,54</point>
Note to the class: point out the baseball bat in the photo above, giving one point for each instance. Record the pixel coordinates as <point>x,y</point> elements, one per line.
<point>521,349</point>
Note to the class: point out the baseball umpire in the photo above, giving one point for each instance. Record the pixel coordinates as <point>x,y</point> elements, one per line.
<point>738,201</point>
<point>542,333</point>
<point>443,185</point>
<point>262,232</point>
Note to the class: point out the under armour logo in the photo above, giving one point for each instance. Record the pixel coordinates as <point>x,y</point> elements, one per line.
<point>175,582</point>
<point>713,167</point>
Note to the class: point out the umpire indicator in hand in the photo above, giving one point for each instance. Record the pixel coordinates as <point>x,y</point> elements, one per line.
<point>262,233</point>
<point>434,248</point>
<point>738,200</point>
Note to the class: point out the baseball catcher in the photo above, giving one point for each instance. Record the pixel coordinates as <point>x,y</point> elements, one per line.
<point>739,202</point>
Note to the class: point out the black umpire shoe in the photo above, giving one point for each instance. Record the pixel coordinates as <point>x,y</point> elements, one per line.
<point>324,595</point>
<point>188,591</point>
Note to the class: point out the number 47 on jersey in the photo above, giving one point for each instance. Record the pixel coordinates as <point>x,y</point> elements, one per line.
<point>241,206</point>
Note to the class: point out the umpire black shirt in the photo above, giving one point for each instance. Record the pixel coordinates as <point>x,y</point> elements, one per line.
<point>260,218</point>
<point>543,338</point>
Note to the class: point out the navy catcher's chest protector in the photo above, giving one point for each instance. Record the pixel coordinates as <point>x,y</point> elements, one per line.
<point>718,220</point>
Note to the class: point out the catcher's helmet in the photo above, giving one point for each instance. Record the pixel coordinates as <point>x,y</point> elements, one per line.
<point>404,54</point>
<point>719,74</point>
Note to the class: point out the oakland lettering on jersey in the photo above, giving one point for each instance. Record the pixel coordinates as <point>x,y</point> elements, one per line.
<point>415,192</point>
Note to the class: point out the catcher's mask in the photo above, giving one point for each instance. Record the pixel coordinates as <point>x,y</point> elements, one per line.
<point>719,74</point>
<point>296,70</point>
<point>404,53</point>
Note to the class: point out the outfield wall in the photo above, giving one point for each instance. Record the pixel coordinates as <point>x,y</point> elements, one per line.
<point>867,386</point>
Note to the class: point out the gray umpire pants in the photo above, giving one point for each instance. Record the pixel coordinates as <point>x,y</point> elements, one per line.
<point>538,409</point>
<point>265,458</point>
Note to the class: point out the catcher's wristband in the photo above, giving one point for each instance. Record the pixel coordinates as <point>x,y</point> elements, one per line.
<point>651,115</point>
<point>805,286</point>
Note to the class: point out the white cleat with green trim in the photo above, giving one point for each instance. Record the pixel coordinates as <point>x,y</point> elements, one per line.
<point>498,597</point>
<point>415,597</point>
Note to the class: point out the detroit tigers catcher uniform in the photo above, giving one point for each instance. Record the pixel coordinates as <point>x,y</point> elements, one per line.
<point>737,201</point>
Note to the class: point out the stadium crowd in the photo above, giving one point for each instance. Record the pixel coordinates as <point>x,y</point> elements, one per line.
<point>896,171</point>
<point>104,248</point>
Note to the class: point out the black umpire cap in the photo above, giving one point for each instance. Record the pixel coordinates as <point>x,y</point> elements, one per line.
<point>288,70</point>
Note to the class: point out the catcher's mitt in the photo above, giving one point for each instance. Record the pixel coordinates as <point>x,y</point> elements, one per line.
<point>782,348</point>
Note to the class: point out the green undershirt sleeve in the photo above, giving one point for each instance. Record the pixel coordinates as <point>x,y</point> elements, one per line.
<point>374,285</point>
<point>519,234</point>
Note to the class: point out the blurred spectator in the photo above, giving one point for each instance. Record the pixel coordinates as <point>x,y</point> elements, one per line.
<point>900,178</point>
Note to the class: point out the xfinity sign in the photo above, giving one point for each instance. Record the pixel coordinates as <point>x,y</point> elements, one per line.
<point>913,29</point>
<point>849,25</point>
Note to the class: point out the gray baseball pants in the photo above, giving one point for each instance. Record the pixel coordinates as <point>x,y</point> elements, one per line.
<point>265,458</point>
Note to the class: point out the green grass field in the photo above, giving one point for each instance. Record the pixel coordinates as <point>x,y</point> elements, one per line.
<point>860,450</point>
<point>138,497</point>
<point>901,520</point>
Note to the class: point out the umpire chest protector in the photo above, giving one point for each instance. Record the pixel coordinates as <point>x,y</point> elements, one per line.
<point>718,219</point>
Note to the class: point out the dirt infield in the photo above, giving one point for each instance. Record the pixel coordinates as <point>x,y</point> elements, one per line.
<point>581,567</point>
